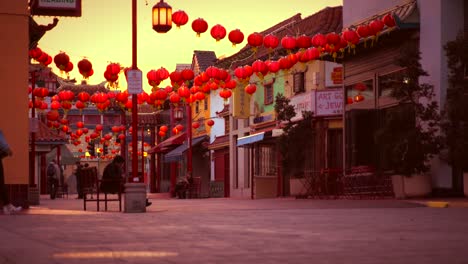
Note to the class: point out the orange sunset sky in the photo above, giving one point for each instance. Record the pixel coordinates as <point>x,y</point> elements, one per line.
<point>103,32</point>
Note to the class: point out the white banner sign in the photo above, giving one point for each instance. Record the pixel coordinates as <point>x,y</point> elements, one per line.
<point>134,81</point>
<point>329,102</point>
<point>302,102</point>
<point>64,4</point>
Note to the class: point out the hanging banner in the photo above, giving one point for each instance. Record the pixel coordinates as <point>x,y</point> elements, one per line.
<point>241,104</point>
<point>65,8</point>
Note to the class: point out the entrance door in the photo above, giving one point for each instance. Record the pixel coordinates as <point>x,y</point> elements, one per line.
<point>335,148</point>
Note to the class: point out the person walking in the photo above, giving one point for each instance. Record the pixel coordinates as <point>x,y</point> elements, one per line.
<point>53,176</point>
<point>5,151</point>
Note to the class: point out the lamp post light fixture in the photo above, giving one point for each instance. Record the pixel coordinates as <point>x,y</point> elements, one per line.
<point>162,17</point>
<point>178,114</point>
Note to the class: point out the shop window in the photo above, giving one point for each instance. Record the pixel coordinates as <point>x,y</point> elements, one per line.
<point>197,107</point>
<point>387,81</point>
<point>268,94</point>
<point>266,160</point>
<point>92,119</point>
<point>360,150</point>
<point>360,92</point>
<point>205,104</point>
<point>299,82</point>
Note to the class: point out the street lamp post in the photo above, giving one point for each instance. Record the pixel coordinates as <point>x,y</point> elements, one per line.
<point>162,22</point>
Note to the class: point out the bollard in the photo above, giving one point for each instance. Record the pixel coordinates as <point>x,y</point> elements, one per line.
<point>135,198</point>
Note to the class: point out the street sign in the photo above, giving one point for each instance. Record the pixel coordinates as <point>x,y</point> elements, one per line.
<point>134,84</point>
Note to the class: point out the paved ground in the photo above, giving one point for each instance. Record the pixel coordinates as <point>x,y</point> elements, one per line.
<point>238,231</point>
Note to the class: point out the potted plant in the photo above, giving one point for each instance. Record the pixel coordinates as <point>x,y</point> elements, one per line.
<point>455,115</point>
<point>294,144</point>
<point>409,136</point>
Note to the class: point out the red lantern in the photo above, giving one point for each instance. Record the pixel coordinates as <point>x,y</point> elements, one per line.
<point>218,32</point>
<point>79,132</point>
<point>236,37</point>
<point>389,20</point>
<point>376,26</point>
<point>35,53</point>
<point>210,122</point>
<point>351,37</point>
<point>174,98</point>
<point>99,127</point>
<point>358,98</point>
<point>153,78</point>
<point>270,41</point>
<point>363,31</point>
<point>183,92</point>
<point>162,133</point>
<point>260,68</point>
<point>200,96</point>
<point>85,130</point>
<point>212,72</point>
<point>333,39</point>
<point>121,136</point>
<point>164,128</point>
<point>65,128</point>
<point>251,88</point>
<point>53,115</point>
<point>61,60</point>
<point>176,77</point>
<point>83,96</point>
<point>199,25</point>
<point>303,42</point>
<point>55,105</point>
<point>225,94</point>
<point>85,66</point>
<point>288,42</point>
<point>187,74</point>
<point>273,66</point>
<point>195,125</point>
<point>319,41</point>
<point>255,40</point>
<point>180,18</point>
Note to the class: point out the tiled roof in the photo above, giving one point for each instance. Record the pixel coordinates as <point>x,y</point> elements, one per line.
<point>224,111</point>
<point>329,19</point>
<point>205,58</point>
<point>219,142</point>
<point>77,88</point>
<point>403,12</point>
<point>46,135</point>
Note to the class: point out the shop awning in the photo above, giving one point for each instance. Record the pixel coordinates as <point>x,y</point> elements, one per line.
<point>250,139</point>
<point>168,144</point>
<point>177,154</point>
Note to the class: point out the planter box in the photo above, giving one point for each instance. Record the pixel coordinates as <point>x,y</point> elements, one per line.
<point>297,187</point>
<point>411,187</point>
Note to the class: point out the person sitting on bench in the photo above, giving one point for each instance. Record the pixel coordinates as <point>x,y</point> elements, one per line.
<point>113,177</point>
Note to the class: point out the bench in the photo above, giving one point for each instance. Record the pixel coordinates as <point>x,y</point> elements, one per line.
<point>91,192</point>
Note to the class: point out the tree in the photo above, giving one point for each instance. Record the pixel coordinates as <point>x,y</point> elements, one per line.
<point>455,115</point>
<point>410,132</point>
<point>297,140</point>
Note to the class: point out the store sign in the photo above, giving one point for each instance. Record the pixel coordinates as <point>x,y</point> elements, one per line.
<point>302,102</point>
<point>264,117</point>
<point>241,104</point>
<point>329,102</point>
<point>333,74</point>
<point>57,8</point>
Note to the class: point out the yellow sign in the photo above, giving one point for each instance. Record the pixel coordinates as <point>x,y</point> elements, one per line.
<point>241,104</point>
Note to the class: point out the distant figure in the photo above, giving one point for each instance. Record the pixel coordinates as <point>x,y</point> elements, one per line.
<point>78,176</point>
<point>5,151</point>
<point>53,177</point>
<point>183,185</point>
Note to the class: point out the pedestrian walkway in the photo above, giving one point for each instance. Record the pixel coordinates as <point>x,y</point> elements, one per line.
<point>227,230</point>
